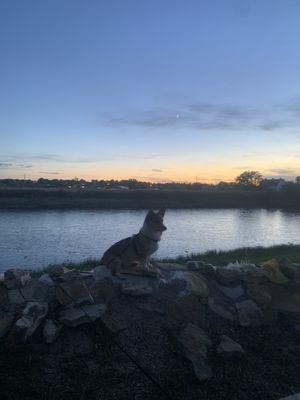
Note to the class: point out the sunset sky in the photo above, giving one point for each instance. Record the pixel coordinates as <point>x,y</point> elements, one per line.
<point>156,90</point>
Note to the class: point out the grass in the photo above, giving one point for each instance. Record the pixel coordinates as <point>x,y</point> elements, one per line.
<point>256,255</point>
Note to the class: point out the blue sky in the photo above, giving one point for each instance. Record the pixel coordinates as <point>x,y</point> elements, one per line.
<point>154,90</point>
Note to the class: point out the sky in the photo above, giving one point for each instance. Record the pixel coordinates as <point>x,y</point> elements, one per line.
<point>160,90</point>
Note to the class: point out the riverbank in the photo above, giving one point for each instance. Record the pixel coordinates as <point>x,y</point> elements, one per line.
<point>188,331</point>
<point>54,199</point>
<point>255,255</point>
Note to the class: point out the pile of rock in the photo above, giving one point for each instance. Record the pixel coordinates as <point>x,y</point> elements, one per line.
<point>189,297</point>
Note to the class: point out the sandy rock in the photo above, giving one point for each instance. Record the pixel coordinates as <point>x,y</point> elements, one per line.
<point>196,284</point>
<point>227,345</point>
<point>136,290</point>
<point>249,313</point>
<point>51,330</point>
<point>273,271</point>
<point>259,293</point>
<point>194,344</point>
<point>16,278</point>
<point>73,317</point>
<point>73,292</point>
<point>219,309</point>
<point>55,271</point>
<point>6,322</point>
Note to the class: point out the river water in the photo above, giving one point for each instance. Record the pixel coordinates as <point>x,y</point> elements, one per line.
<point>35,239</point>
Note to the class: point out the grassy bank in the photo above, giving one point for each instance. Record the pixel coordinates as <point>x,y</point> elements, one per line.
<point>254,255</point>
<point>43,199</point>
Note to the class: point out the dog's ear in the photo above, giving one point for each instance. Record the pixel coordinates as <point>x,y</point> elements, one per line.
<point>161,212</point>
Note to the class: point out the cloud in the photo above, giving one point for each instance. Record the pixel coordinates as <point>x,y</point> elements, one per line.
<point>12,166</point>
<point>156,170</point>
<point>218,116</point>
<point>49,172</point>
<point>5,165</point>
<point>283,171</point>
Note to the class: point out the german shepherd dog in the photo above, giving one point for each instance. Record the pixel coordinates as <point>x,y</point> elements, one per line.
<point>134,252</point>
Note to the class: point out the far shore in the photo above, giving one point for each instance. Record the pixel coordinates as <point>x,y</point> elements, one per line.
<point>55,199</point>
<point>255,255</point>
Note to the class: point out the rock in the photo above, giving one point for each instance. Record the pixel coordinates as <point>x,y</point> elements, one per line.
<point>16,278</point>
<point>283,300</point>
<point>229,275</point>
<point>187,309</point>
<point>252,271</point>
<point>46,279</point>
<point>38,291</point>
<point>196,284</point>
<point>232,292</point>
<point>51,330</point>
<point>273,272</point>
<point>249,313</point>
<point>6,322</point>
<point>136,290</point>
<point>194,344</point>
<point>101,273</point>
<point>32,316</point>
<point>15,297</point>
<point>102,292</point>
<point>85,314</point>
<point>220,310</point>
<point>288,268</point>
<point>292,397</point>
<point>170,266</point>
<point>259,292</point>
<point>55,271</point>
<point>1,278</point>
<point>202,267</point>
<point>227,345</point>
<point>73,292</point>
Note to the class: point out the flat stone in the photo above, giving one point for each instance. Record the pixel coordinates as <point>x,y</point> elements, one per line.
<point>46,279</point>
<point>227,345</point>
<point>102,292</point>
<point>187,309</point>
<point>38,291</point>
<point>228,275</point>
<point>170,266</point>
<point>73,292</point>
<point>194,344</point>
<point>51,330</point>
<point>6,322</point>
<point>259,292</point>
<point>220,310</point>
<point>136,290</point>
<point>31,318</point>
<point>196,284</point>
<point>288,268</point>
<point>73,317</point>
<point>15,297</point>
<point>55,271</point>
<point>16,278</point>
<point>249,313</point>
<point>202,267</point>
<point>232,292</point>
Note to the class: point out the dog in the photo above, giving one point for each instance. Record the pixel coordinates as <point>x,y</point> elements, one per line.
<point>134,252</point>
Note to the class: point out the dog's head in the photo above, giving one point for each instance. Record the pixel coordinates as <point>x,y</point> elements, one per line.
<point>155,220</point>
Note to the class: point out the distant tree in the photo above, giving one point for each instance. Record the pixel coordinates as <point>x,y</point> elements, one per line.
<point>297,179</point>
<point>249,179</point>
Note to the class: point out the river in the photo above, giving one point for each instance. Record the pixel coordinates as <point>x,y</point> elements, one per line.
<point>35,239</point>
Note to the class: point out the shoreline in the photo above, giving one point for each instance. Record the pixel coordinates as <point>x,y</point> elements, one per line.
<point>43,199</point>
<point>255,255</point>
